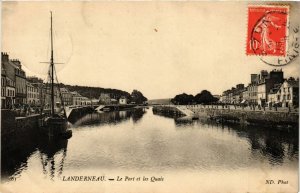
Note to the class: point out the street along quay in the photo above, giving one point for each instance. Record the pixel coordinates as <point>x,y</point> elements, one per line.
<point>237,114</point>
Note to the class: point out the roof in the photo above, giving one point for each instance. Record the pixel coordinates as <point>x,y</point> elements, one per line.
<point>293,83</point>
<point>275,88</point>
<point>13,64</point>
<point>76,94</point>
<point>30,84</point>
<point>64,90</point>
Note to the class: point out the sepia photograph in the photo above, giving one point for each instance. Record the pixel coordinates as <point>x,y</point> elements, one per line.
<point>150,96</point>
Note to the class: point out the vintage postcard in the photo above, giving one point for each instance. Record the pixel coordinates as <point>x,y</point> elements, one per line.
<point>149,96</point>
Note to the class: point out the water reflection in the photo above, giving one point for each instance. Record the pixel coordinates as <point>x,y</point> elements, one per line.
<point>114,117</point>
<point>138,140</point>
<point>168,115</point>
<point>138,114</point>
<point>16,151</point>
<point>274,143</point>
<point>51,151</point>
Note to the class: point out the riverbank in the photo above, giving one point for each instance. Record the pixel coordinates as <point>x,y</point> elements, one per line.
<point>242,115</point>
<point>137,143</point>
<point>10,123</point>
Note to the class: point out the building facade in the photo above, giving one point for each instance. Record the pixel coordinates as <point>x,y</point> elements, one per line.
<point>8,83</point>
<point>7,92</point>
<point>274,96</point>
<point>266,82</point>
<point>261,94</point>
<point>33,94</point>
<point>123,100</point>
<point>86,101</point>
<point>3,88</point>
<point>66,96</point>
<point>225,97</point>
<point>21,96</point>
<point>289,93</point>
<point>252,92</point>
<point>245,94</point>
<point>77,98</point>
<point>40,86</point>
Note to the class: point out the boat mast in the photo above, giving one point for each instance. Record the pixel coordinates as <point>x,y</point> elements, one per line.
<point>52,71</point>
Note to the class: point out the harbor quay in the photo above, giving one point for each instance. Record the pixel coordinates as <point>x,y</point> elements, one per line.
<point>231,113</point>
<point>14,122</point>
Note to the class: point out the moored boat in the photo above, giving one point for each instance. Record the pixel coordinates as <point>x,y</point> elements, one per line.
<point>55,124</point>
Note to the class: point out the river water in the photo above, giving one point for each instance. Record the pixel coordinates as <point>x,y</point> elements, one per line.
<point>154,153</point>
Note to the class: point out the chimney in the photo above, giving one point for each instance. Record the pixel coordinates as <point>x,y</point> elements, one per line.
<point>254,78</point>
<point>16,62</point>
<point>4,57</point>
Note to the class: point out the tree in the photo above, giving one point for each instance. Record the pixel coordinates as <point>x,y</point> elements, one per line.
<point>183,99</point>
<point>94,92</point>
<point>137,97</point>
<point>205,97</point>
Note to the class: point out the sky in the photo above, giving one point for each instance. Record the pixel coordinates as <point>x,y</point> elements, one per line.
<point>159,48</point>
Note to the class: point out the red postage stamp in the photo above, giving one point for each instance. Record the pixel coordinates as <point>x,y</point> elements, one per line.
<point>267,30</point>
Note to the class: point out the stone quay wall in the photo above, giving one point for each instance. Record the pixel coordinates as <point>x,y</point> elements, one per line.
<point>240,115</point>
<point>252,117</point>
<point>10,124</point>
<point>172,110</point>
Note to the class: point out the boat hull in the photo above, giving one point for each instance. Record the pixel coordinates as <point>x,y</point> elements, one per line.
<point>57,126</point>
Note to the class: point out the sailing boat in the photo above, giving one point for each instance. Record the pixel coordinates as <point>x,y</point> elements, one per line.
<point>55,124</point>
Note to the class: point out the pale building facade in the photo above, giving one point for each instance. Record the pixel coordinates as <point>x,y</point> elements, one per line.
<point>289,93</point>
<point>33,94</point>
<point>123,100</point>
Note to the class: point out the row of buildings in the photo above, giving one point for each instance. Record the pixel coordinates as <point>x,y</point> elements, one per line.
<point>13,82</point>
<point>265,89</point>
<point>18,90</point>
<point>107,99</point>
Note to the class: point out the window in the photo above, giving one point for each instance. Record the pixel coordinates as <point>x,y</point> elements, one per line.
<point>288,97</point>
